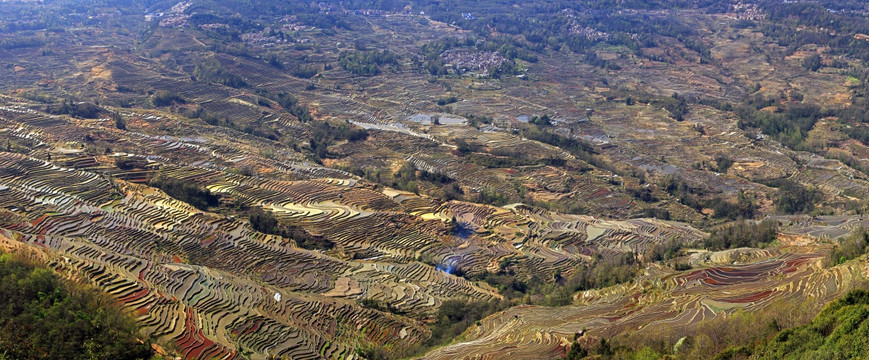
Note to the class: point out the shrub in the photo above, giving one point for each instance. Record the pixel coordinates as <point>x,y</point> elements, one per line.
<point>165,98</point>
<point>43,317</point>
<point>842,328</point>
<point>852,247</point>
<point>454,316</point>
<point>366,63</point>
<point>190,193</point>
<point>212,71</point>
<point>794,198</point>
<point>812,62</point>
<point>130,163</point>
<point>742,234</point>
<point>265,222</point>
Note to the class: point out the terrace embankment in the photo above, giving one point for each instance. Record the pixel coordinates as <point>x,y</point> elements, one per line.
<point>669,306</point>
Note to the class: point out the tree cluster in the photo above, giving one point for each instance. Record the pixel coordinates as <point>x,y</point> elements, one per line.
<point>44,317</point>
<point>742,234</point>
<point>324,135</point>
<point>185,191</point>
<point>166,98</point>
<point>265,222</point>
<point>212,71</point>
<point>852,247</point>
<point>366,63</point>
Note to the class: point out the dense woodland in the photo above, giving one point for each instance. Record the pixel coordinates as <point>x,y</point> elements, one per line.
<point>43,316</point>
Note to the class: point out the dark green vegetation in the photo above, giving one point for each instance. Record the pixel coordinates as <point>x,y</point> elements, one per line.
<point>265,222</point>
<point>744,207</point>
<point>577,147</point>
<point>789,125</point>
<point>454,316</point>
<point>211,70</point>
<point>408,178</point>
<point>79,109</point>
<point>291,105</point>
<point>607,350</point>
<point>324,135</point>
<point>187,192</point>
<point>601,272</point>
<point>447,100</point>
<point>851,247</point>
<point>840,331</point>
<point>165,98</point>
<point>742,234</point>
<point>366,63</point>
<point>45,317</point>
<point>130,163</point>
<point>794,198</point>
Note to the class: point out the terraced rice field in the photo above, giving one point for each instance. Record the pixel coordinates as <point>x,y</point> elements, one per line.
<point>216,288</point>
<point>662,303</point>
<point>136,246</point>
<point>213,286</point>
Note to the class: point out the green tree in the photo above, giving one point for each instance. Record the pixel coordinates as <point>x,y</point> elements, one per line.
<point>44,317</point>
<point>812,62</point>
